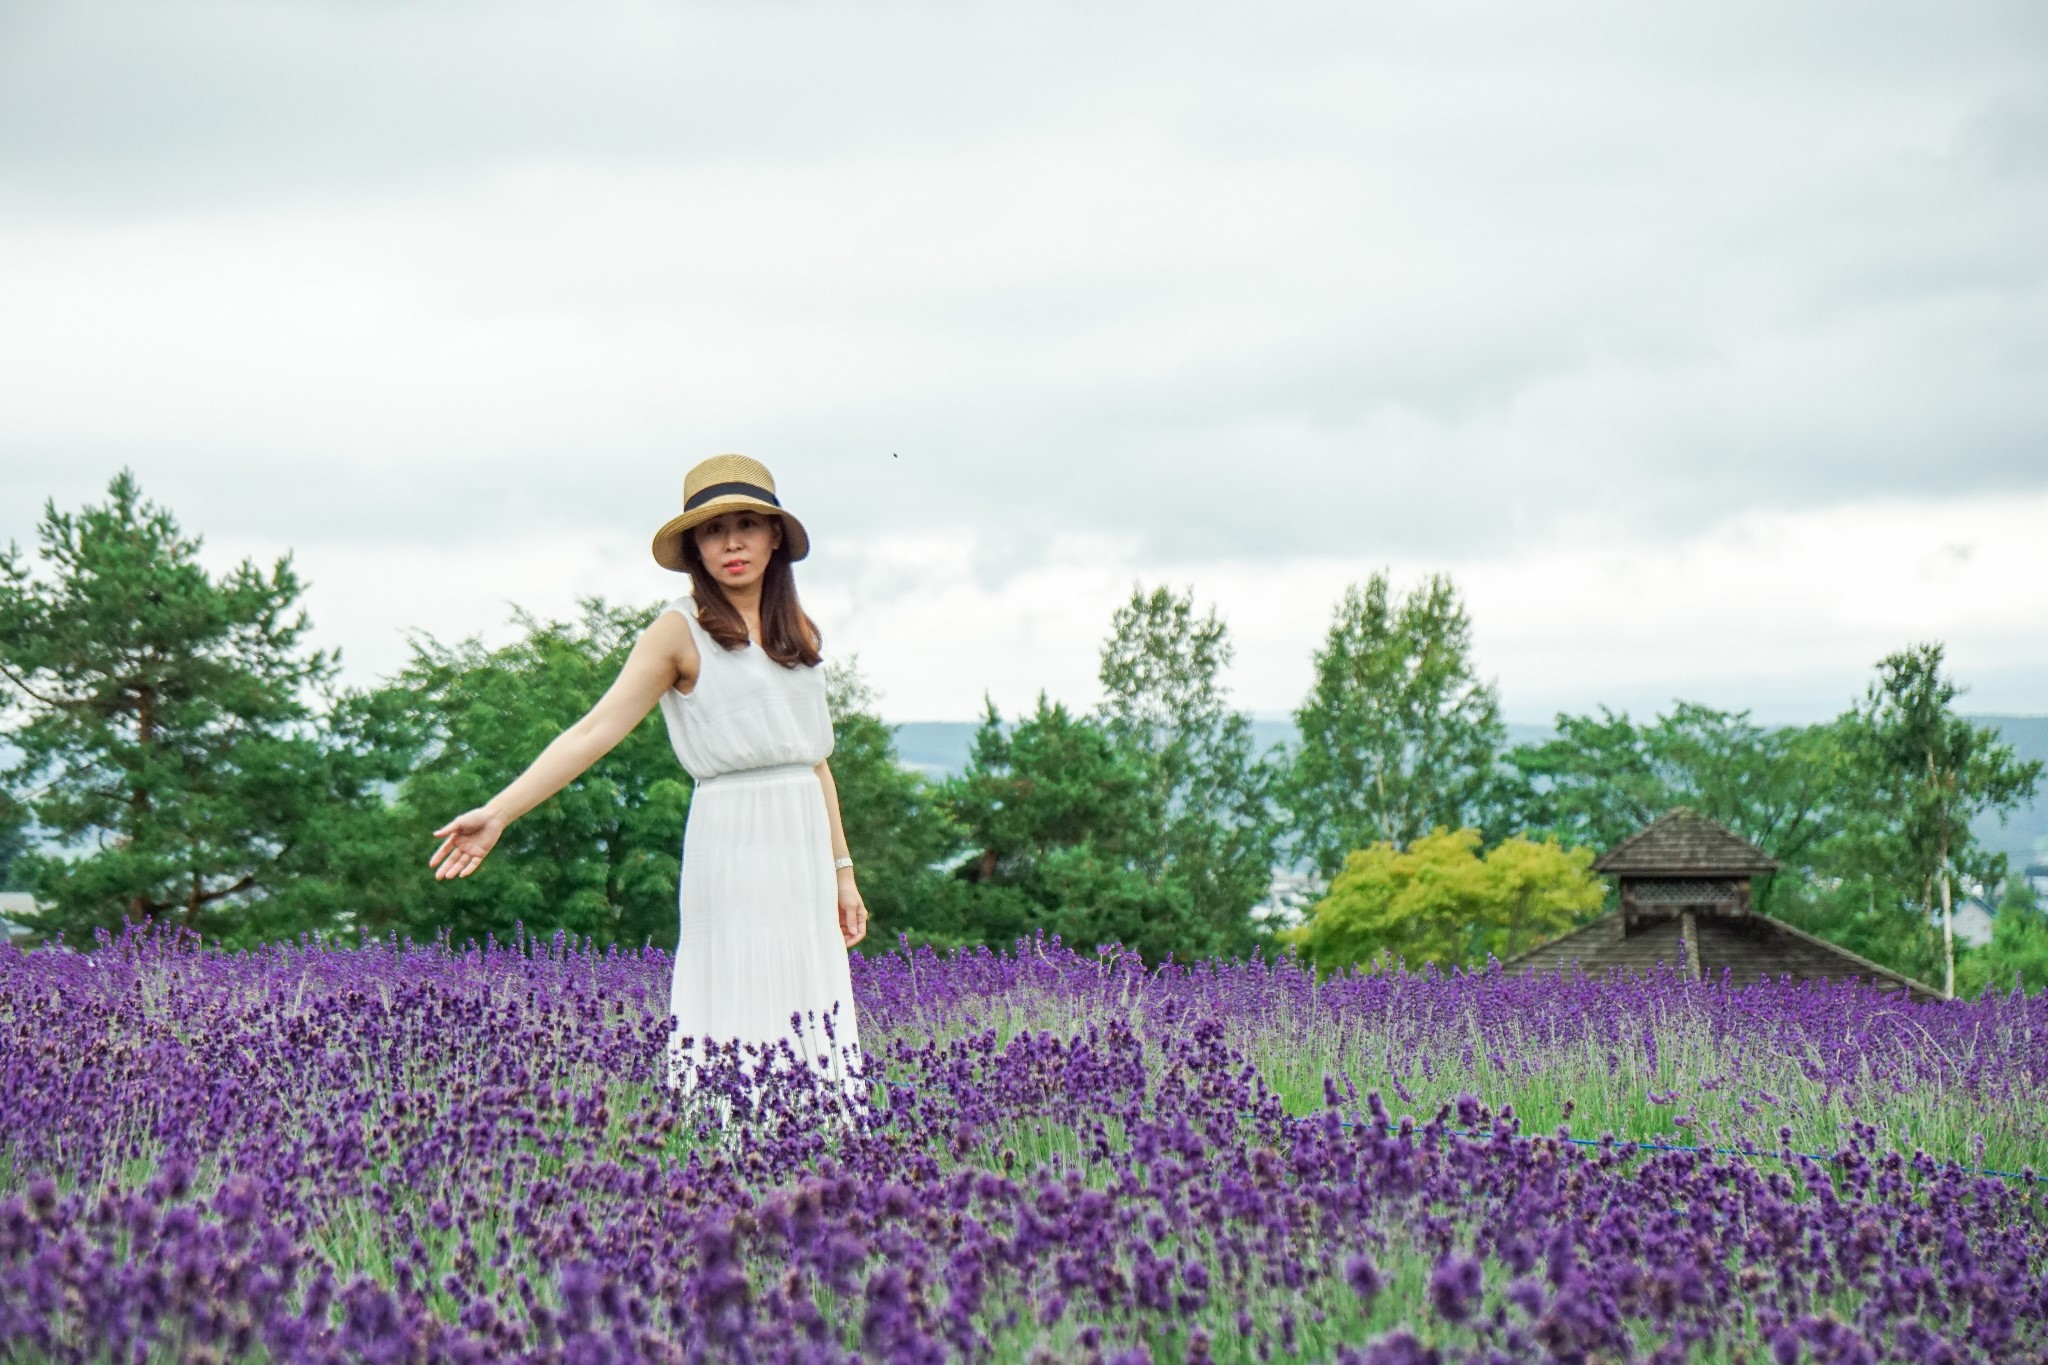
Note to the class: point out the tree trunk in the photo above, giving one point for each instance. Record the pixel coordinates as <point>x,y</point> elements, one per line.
<point>145,735</point>
<point>138,800</point>
<point>1515,921</point>
<point>1948,933</point>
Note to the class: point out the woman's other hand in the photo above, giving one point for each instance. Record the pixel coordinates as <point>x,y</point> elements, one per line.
<point>469,837</point>
<point>853,911</point>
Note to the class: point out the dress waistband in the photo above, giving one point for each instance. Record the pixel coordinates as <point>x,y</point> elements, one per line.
<point>770,773</point>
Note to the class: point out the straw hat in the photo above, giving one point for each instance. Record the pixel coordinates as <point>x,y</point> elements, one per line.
<point>726,483</point>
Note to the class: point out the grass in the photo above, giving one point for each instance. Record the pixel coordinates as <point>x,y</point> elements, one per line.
<point>1721,1094</point>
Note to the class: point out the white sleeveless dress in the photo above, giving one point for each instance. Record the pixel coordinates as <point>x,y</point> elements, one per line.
<point>759,900</point>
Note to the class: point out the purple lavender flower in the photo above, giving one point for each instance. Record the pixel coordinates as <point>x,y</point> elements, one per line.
<point>1454,1287</point>
<point>1399,1348</point>
<point>1109,1167</point>
<point>1363,1277</point>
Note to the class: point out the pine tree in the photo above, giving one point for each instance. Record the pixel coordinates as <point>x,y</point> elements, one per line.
<point>187,754</point>
<point>1060,830</point>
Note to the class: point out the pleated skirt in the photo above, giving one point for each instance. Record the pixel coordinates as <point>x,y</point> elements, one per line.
<point>759,958</point>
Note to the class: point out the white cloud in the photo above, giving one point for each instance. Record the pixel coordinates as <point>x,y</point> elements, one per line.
<point>1785,613</point>
<point>1730,300</point>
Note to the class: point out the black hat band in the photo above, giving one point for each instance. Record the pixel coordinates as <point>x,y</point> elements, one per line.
<point>719,490</point>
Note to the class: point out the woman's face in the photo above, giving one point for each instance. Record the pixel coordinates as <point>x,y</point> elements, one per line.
<point>735,545</point>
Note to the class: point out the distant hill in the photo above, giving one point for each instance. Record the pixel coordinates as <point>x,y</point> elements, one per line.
<point>2024,837</point>
<point>939,748</point>
<point>936,748</point>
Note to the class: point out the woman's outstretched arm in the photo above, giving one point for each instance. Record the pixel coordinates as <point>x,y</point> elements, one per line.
<point>662,657</point>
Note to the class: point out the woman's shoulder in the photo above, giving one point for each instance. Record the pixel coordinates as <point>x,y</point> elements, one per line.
<point>684,607</point>
<point>677,626</point>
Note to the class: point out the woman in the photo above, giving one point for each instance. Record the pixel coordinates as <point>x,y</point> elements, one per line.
<point>766,874</point>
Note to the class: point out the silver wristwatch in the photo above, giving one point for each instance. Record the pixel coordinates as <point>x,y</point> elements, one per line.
<point>838,863</point>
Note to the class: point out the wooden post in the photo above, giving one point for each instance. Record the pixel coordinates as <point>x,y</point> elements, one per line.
<point>1689,940</point>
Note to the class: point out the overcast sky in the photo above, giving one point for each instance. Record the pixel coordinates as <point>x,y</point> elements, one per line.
<point>1705,346</point>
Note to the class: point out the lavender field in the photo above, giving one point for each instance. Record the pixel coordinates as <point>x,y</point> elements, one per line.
<point>397,1152</point>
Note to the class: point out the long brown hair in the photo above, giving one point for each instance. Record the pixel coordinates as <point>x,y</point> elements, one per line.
<point>783,619</point>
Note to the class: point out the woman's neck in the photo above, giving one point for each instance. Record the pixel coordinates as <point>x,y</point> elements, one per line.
<point>747,602</point>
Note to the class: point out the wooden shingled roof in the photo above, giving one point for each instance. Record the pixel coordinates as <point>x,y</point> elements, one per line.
<point>1741,950</point>
<point>1683,843</point>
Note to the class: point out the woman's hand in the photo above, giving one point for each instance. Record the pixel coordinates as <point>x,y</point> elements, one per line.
<point>469,837</point>
<point>853,911</point>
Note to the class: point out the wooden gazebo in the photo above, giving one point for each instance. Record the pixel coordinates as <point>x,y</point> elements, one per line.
<point>1685,899</point>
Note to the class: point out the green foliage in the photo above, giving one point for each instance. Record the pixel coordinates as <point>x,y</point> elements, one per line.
<point>1054,780</point>
<point>1092,899</point>
<point>1862,811</point>
<point>192,758</point>
<point>897,825</point>
<point>1602,778</point>
<point>14,842</point>
<point>1910,776</point>
<point>1860,912</point>
<point>602,856</point>
<point>1924,774</point>
<point>1398,733</point>
<point>173,732</point>
<point>1205,790</point>
<point>1058,816</point>
<point>599,858</point>
<point>1440,901</point>
<point>1149,823</point>
<point>2017,956</point>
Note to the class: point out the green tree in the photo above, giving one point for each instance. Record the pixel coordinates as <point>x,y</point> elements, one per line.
<point>1929,773</point>
<point>1859,911</point>
<point>1601,778</point>
<point>1207,792</point>
<point>2017,955</point>
<point>1439,900</point>
<point>1398,734</point>
<point>1058,820</point>
<point>14,842</point>
<point>897,825</point>
<point>1536,889</point>
<point>1091,898</point>
<point>178,739</point>
<point>1053,780</point>
<point>599,858</point>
